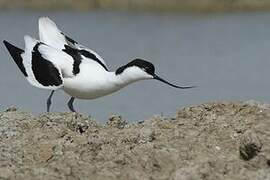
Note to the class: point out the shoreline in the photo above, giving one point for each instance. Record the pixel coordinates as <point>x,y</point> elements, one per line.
<point>174,6</point>
<point>221,140</point>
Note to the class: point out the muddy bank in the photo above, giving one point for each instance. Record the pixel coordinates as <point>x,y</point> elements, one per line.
<point>203,6</point>
<point>209,141</point>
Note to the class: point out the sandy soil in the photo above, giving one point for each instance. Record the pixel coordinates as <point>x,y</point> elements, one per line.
<point>210,141</point>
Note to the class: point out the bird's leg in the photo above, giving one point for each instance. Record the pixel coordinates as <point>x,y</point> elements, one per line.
<point>49,101</point>
<point>70,104</point>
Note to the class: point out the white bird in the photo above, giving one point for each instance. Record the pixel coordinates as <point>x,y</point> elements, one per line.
<point>59,62</point>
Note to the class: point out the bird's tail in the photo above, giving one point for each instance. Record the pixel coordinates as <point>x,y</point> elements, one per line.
<point>16,54</point>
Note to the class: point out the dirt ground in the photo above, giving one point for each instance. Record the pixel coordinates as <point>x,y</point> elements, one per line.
<point>209,141</point>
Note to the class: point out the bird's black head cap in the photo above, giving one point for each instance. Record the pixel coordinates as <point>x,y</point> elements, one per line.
<point>146,66</point>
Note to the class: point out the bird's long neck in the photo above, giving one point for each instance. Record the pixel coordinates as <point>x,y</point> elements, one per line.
<point>123,79</point>
<point>127,74</point>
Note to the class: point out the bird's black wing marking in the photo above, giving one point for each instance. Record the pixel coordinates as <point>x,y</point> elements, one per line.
<point>71,48</point>
<point>70,41</point>
<point>16,53</point>
<point>74,53</point>
<point>93,57</point>
<point>44,71</point>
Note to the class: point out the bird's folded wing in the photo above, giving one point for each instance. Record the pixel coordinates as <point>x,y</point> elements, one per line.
<point>45,66</point>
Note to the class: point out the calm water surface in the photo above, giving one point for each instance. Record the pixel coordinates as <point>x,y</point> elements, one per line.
<point>227,56</point>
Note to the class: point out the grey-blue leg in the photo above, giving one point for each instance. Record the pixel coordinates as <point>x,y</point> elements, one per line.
<point>49,101</point>
<point>70,104</point>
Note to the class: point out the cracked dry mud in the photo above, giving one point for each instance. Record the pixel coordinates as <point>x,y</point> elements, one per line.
<point>209,141</point>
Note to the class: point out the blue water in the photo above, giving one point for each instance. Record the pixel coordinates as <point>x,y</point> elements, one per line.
<point>226,56</point>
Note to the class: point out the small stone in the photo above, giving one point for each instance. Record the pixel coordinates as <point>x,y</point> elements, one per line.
<point>78,126</point>
<point>235,135</point>
<point>268,162</point>
<point>250,145</point>
<point>117,122</point>
<point>147,134</point>
<point>11,109</point>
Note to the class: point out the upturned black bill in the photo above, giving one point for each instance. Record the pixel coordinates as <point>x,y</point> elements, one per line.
<point>166,82</point>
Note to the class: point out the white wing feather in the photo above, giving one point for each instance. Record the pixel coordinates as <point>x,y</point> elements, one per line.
<point>51,35</point>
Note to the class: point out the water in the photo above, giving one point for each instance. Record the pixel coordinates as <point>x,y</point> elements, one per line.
<point>227,56</point>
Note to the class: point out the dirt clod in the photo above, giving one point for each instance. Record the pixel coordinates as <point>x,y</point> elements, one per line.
<point>117,122</point>
<point>250,145</point>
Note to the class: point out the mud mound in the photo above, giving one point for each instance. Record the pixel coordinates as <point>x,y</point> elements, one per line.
<point>209,141</point>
